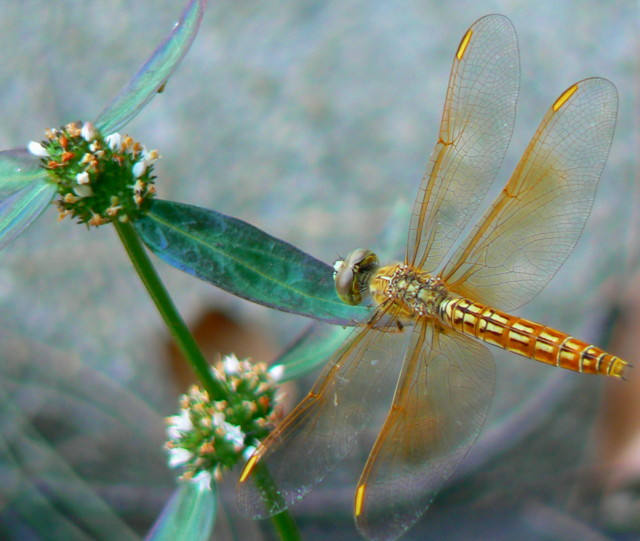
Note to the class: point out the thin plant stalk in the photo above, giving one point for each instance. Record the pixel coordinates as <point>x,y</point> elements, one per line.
<point>160,296</point>
<point>283,522</point>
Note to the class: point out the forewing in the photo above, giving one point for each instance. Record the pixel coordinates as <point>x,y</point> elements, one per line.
<point>535,222</point>
<point>321,430</point>
<point>440,405</point>
<point>476,127</point>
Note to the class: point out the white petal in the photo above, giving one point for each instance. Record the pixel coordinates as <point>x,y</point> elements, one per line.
<point>82,178</point>
<point>218,419</point>
<point>139,169</point>
<point>114,141</point>
<point>248,451</point>
<point>88,132</point>
<point>183,421</point>
<point>150,156</point>
<point>178,457</point>
<point>203,479</point>
<point>276,371</point>
<point>173,433</point>
<point>231,364</point>
<point>37,149</point>
<point>234,435</point>
<point>83,190</point>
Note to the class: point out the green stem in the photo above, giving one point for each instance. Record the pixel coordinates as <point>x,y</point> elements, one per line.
<point>285,526</point>
<point>187,344</point>
<point>283,522</point>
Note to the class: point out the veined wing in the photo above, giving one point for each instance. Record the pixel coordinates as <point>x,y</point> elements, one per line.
<point>324,426</point>
<point>476,127</point>
<point>441,402</point>
<point>536,220</point>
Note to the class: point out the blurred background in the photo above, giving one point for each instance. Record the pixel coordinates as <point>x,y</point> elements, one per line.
<point>312,120</point>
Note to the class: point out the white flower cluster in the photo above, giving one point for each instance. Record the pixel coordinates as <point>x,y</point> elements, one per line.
<point>99,179</point>
<point>210,435</point>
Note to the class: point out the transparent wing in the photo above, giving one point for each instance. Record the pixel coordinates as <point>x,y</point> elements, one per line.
<point>321,430</point>
<point>24,194</point>
<point>441,402</point>
<point>154,73</point>
<point>536,220</point>
<point>476,127</point>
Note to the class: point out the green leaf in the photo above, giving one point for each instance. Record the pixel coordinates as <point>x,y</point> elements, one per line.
<point>154,73</point>
<point>18,169</point>
<point>313,348</point>
<point>245,261</point>
<point>189,514</point>
<point>24,194</point>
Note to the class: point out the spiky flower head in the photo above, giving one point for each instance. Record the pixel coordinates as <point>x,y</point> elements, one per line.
<point>211,435</point>
<point>99,179</point>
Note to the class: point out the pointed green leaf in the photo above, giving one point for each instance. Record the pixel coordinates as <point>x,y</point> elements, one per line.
<point>189,514</point>
<point>244,260</point>
<point>154,73</point>
<point>18,168</point>
<point>24,194</point>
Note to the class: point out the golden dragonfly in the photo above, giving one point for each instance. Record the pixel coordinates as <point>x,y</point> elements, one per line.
<point>431,311</point>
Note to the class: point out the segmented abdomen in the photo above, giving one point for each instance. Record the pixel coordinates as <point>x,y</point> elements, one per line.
<point>528,338</point>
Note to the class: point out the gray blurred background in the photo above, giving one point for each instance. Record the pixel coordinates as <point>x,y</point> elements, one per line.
<point>312,120</point>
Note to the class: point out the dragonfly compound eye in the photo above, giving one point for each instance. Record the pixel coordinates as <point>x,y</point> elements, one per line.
<point>353,274</point>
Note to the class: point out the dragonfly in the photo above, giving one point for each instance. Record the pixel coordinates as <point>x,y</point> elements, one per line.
<point>434,310</point>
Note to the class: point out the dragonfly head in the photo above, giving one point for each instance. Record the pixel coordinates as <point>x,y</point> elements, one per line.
<point>353,274</point>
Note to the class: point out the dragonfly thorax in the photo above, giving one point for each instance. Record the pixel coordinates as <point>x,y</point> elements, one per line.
<point>415,292</point>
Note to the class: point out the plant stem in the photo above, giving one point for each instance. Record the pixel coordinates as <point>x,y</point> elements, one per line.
<point>187,344</point>
<point>286,527</point>
<point>283,522</point>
